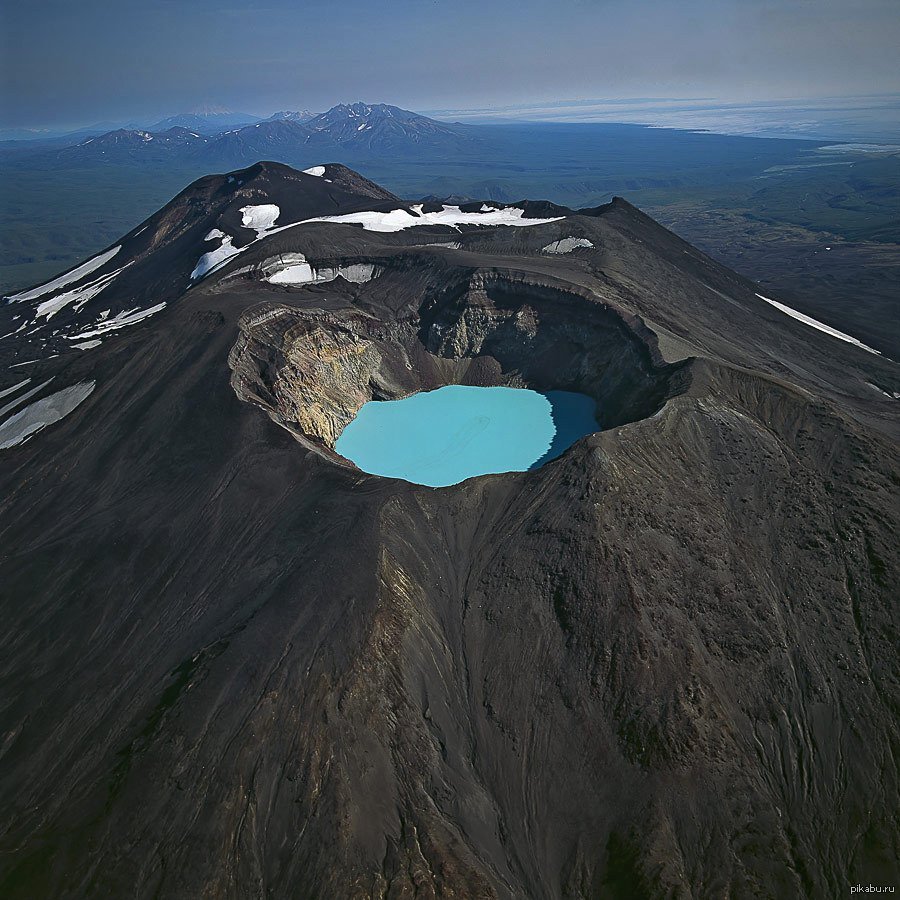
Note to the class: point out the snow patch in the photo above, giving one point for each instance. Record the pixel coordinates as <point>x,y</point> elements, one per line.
<point>820,326</point>
<point>357,273</point>
<point>453,216</point>
<point>14,403</point>
<point>293,269</point>
<point>317,171</point>
<point>894,396</point>
<point>34,418</point>
<point>289,268</point>
<point>75,275</point>
<point>79,296</point>
<point>566,245</point>
<point>11,390</point>
<point>215,258</point>
<point>88,345</point>
<point>10,333</point>
<point>260,218</point>
<point>121,320</point>
<point>393,220</point>
<point>214,234</point>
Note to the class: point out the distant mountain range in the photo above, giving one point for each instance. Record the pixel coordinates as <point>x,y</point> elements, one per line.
<point>211,122</point>
<point>378,128</point>
<point>131,139</point>
<point>207,120</point>
<point>293,116</point>
<point>381,125</point>
<point>226,137</point>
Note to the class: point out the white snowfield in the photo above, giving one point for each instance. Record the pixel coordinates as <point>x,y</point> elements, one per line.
<point>293,269</point>
<point>22,398</point>
<point>820,326</point>
<point>214,258</point>
<point>25,424</point>
<point>69,278</point>
<point>400,219</point>
<point>358,273</point>
<point>260,218</point>
<point>79,296</point>
<point>120,320</point>
<point>317,171</point>
<point>214,233</point>
<point>566,245</point>
<point>289,268</point>
<point>393,220</point>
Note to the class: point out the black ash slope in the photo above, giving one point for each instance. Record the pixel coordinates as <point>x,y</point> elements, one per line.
<point>233,665</point>
<point>155,261</point>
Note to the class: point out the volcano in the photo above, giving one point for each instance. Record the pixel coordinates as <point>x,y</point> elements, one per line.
<point>359,129</point>
<point>661,665</point>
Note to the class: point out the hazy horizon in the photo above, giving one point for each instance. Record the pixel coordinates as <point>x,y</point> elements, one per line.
<point>68,66</point>
<point>876,117</point>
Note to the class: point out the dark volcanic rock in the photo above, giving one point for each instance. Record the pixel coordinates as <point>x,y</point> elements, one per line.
<point>662,665</point>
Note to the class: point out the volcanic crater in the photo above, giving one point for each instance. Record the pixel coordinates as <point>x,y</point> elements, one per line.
<point>312,371</point>
<point>663,665</point>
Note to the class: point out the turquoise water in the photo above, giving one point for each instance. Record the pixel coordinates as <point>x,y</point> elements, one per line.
<point>442,437</point>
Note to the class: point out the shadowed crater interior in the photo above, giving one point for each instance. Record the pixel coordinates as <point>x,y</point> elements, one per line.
<point>313,370</point>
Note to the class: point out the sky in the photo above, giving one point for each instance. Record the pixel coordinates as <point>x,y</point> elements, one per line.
<point>65,63</point>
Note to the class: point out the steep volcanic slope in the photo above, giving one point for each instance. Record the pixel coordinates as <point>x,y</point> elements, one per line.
<point>233,665</point>
<point>154,264</point>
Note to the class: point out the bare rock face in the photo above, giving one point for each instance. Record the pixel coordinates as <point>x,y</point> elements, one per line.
<point>662,665</point>
<point>323,385</point>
